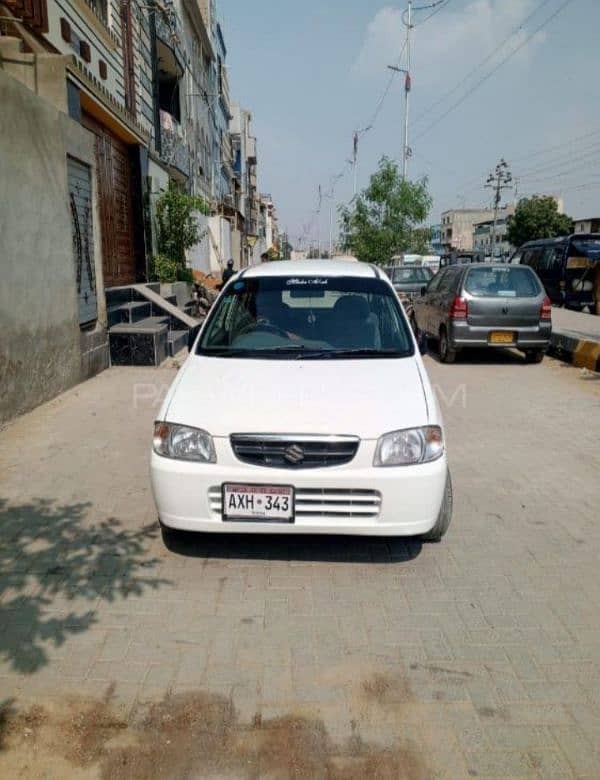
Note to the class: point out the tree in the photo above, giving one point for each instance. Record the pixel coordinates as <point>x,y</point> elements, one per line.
<point>537,217</point>
<point>178,230</point>
<point>385,218</point>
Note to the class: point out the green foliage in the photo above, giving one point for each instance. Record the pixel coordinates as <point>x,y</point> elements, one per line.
<point>384,219</point>
<point>537,217</point>
<point>163,269</point>
<point>178,229</point>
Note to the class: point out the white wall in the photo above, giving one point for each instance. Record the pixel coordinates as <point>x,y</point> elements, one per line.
<point>211,253</point>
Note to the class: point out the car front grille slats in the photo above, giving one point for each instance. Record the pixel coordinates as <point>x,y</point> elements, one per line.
<point>294,453</point>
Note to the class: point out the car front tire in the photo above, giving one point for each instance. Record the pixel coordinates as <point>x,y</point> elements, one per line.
<point>445,515</point>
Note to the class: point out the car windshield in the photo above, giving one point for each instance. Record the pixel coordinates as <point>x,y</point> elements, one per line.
<point>418,275</point>
<point>505,282</point>
<point>307,318</point>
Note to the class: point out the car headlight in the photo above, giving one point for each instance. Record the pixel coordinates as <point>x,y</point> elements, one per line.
<point>183,443</point>
<point>410,446</point>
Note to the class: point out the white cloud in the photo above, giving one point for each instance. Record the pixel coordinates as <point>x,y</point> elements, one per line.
<point>450,43</point>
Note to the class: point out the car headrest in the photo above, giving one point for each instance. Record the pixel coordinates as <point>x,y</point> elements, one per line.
<point>352,307</point>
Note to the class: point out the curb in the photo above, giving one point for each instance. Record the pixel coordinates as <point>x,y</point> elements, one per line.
<point>581,352</point>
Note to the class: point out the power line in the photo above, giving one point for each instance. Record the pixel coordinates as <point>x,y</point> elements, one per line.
<point>496,68</point>
<point>485,61</point>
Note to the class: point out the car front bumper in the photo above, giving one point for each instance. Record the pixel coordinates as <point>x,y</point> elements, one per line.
<point>356,498</point>
<point>462,334</point>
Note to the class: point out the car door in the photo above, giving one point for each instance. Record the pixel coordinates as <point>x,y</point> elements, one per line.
<point>551,270</point>
<point>443,298</point>
<point>422,304</point>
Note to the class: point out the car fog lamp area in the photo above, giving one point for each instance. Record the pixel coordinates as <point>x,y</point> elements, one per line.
<point>183,443</point>
<point>410,446</point>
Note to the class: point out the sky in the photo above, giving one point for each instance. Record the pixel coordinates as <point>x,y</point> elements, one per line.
<point>313,72</point>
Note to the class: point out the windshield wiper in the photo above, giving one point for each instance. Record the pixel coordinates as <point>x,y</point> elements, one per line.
<point>334,354</point>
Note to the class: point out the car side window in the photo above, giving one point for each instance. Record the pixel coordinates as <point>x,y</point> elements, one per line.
<point>435,282</point>
<point>448,282</point>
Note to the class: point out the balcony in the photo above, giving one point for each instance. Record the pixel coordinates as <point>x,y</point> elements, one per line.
<point>169,34</point>
<point>173,147</point>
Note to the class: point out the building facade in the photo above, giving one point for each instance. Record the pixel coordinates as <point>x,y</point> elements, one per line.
<point>591,225</point>
<point>458,227</point>
<point>128,98</point>
<point>483,232</point>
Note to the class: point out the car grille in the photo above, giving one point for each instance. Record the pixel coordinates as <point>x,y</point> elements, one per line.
<point>322,502</point>
<point>294,452</point>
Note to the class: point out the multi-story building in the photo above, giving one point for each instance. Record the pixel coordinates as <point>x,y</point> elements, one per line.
<point>484,232</point>
<point>246,193</point>
<point>107,102</point>
<point>457,227</point>
<point>271,234</point>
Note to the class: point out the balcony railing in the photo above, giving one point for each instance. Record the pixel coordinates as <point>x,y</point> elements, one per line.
<point>169,31</point>
<point>173,147</point>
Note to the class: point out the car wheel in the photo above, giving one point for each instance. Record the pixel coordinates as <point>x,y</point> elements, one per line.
<point>534,355</point>
<point>447,354</point>
<point>445,515</point>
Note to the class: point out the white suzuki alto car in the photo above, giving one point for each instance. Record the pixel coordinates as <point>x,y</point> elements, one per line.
<point>304,407</point>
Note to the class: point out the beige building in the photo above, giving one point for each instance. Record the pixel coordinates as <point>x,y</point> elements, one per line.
<point>458,227</point>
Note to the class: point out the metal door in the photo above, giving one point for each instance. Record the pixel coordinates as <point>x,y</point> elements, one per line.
<point>115,193</point>
<point>79,178</point>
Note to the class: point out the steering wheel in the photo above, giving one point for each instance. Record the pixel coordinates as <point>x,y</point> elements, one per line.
<point>266,327</point>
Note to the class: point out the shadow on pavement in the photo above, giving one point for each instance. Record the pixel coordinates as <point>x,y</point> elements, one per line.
<point>337,549</point>
<point>55,567</point>
<point>475,356</point>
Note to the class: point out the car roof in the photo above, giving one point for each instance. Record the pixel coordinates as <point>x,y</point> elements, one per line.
<point>312,268</point>
<point>485,265</point>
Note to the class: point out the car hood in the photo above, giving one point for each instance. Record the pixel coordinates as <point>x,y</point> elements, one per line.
<point>362,397</point>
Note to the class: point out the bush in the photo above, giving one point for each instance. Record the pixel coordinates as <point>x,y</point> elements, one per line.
<point>163,269</point>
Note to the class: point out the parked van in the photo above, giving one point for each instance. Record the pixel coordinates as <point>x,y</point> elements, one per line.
<point>569,268</point>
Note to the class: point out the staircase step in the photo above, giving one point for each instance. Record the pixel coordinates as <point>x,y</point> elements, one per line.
<point>140,343</point>
<point>176,341</point>
<point>131,311</point>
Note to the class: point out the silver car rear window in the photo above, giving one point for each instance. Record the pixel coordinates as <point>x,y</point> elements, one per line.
<point>508,282</point>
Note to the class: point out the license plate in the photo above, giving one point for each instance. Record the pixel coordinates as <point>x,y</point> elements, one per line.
<point>263,503</point>
<point>502,337</point>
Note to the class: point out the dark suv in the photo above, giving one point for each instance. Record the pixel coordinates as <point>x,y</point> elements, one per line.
<point>485,305</point>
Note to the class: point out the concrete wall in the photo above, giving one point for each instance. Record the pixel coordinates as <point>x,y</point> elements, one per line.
<point>214,249</point>
<point>42,350</point>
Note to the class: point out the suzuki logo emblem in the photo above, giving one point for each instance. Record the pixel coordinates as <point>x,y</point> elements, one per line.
<point>505,310</point>
<point>294,454</point>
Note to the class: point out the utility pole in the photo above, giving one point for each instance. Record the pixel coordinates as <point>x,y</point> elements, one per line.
<point>500,179</point>
<point>355,164</point>
<point>407,87</point>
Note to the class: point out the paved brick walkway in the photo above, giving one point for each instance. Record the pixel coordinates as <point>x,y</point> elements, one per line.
<point>343,658</point>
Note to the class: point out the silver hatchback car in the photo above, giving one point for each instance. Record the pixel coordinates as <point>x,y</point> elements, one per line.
<point>485,305</point>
